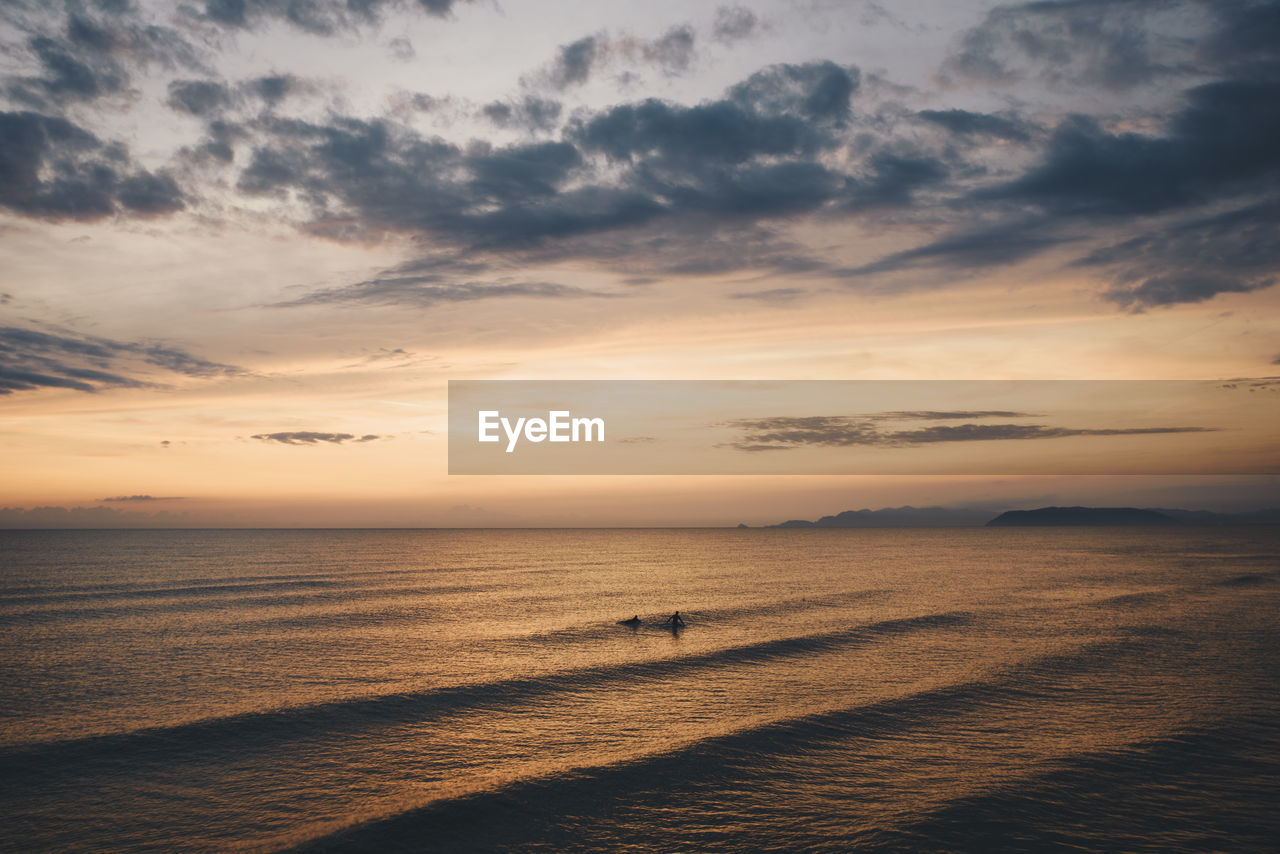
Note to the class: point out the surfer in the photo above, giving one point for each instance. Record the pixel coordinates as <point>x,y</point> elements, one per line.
<point>634,621</point>
<point>674,621</point>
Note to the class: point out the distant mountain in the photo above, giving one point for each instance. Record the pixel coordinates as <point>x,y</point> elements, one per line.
<point>896,517</point>
<point>955,517</point>
<point>1206,517</point>
<point>1062,516</point>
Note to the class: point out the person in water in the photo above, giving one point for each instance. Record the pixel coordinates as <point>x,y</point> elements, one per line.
<point>675,622</point>
<point>634,621</point>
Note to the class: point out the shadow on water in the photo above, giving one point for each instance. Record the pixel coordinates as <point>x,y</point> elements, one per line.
<point>1207,787</point>
<point>214,738</point>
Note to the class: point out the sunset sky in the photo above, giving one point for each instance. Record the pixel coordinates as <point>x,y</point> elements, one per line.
<point>246,243</point>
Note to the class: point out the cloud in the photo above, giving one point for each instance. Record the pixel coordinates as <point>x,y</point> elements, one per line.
<point>578,61</point>
<point>1213,150</point>
<point>773,295</point>
<point>673,51</point>
<point>27,518</point>
<point>529,113</point>
<point>784,433</point>
<point>817,91</point>
<point>1111,44</point>
<point>209,99</point>
<point>950,414</point>
<point>402,49</point>
<point>199,97</point>
<point>993,245</point>
<point>1172,288</point>
<point>145,498</point>
<point>891,179</point>
<point>573,63</point>
<point>733,24</point>
<point>317,17</point>
<point>82,54</point>
<point>968,124</point>
<point>651,187</point>
<point>53,169</point>
<point>1235,251</point>
<point>309,437</point>
<point>425,292</point>
<point>1216,146</point>
<point>31,359</point>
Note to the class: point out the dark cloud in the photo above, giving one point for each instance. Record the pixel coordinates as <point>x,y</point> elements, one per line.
<point>966,123</point>
<point>309,437</point>
<point>529,113</point>
<point>891,179</point>
<point>572,65</point>
<point>53,169</point>
<point>1214,150</point>
<point>219,141</point>
<point>31,359</point>
<point>576,62</point>
<point>318,17</point>
<point>199,97</point>
<point>1218,145</point>
<point>673,51</point>
<point>688,245</point>
<point>988,246</point>
<point>69,77</point>
<point>1173,288</point>
<point>82,55</point>
<point>818,91</point>
<point>1236,251</point>
<point>427,291</point>
<point>147,194</point>
<point>754,153</point>
<point>376,177</point>
<point>1247,33</point>
<point>784,433</point>
<point>718,131</point>
<point>1113,44</point>
<point>274,88</point>
<point>733,24</point>
<point>210,99</point>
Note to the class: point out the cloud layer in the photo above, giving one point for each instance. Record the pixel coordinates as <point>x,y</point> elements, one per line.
<point>1168,205</point>
<point>834,431</point>
<point>31,359</point>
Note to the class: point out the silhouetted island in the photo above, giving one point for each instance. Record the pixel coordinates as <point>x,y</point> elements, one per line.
<point>896,517</point>
<point>938,517</point>
<point>1060,516</point>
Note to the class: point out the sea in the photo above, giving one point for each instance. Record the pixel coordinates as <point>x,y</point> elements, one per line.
<point>968,689</point>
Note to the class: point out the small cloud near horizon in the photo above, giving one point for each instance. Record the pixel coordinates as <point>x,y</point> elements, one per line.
<point>145,498</point>
<point>311,437</point>
<point>786,433</point>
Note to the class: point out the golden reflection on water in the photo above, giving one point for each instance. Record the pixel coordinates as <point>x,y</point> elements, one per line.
<point>291,685</point>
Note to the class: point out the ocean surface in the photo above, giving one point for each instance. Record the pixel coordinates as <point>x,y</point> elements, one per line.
<point>834,690</point>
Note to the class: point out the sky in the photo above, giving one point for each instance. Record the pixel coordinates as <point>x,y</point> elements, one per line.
<point>245,244</point>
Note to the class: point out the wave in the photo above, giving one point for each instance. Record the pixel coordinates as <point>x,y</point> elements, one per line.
<point>189,600</point>
<point>269,729</point>
<point>1225,795</point>
<point>553,810</point>
<point>1250,579</point>
<point>337,577</point>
